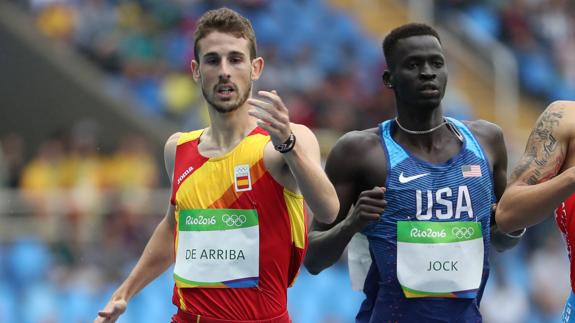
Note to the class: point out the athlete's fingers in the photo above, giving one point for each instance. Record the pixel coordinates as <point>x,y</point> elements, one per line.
<point>269,128</point>
<point>370,208</point>
<point>274,98</point>
<point>111,312</point>
<point>262,115</point>
<point>370,216</point>
<point>376,193</point>
<point>268,108</point>
<point>373,201</point>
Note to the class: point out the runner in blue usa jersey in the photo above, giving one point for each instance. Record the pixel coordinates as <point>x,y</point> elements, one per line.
<point>422,190</point>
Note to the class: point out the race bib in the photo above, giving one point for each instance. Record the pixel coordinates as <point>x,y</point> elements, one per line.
<point>439,259</point>
<point>217,248</point>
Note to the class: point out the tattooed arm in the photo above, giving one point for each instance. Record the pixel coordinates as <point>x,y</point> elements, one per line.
<point>539,182</point>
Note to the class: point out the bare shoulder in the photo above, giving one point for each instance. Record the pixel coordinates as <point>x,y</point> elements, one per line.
<point>484,130</point>
<point>170,153</point>
<point>559,118</point>
<point>547,145</point>
<point>353,150</point>
<point>358,142</point>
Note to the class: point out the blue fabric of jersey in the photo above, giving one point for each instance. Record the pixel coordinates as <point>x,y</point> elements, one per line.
<point>385,301</point>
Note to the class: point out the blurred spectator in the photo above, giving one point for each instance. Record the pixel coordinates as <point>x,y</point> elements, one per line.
<point>131,173</point>
<point>12,147</point>
<point>42,179</point>
<point>56,20</point>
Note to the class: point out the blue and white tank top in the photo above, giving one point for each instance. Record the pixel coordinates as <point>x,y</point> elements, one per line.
<point>460,189</point>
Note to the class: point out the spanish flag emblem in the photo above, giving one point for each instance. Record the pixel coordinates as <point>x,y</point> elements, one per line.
<point>242,178</point>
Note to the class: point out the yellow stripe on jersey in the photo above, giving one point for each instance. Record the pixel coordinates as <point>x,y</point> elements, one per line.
<point>295,209</point>
<point>181,298</point>
<point>189,136</point>
<point>207,184</point>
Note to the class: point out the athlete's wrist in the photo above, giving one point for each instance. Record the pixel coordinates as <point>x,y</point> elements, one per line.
<point>287,145</point>
<point>120,295</point>
<point>350,226</point>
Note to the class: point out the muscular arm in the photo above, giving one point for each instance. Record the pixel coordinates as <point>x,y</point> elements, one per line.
<point>535,187</point>
<point>156,257</point>
<point>328,241</point>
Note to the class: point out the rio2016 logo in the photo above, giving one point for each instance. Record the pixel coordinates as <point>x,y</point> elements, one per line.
<point>427,233</point>
<point>200,220</point>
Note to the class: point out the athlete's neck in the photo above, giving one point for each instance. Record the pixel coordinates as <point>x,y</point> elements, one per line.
<point>226,130</point>
<point>421,121</point>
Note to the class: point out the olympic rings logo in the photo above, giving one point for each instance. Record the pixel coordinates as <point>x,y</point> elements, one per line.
<point>462,233</point>
<point>234,220</point>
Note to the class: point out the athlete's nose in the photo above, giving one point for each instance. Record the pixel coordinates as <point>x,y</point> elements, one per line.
<point>426,72</point>
<point>224,70</point>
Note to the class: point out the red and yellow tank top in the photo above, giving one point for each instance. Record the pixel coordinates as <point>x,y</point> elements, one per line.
<point>239,181</point>
<point>565,218</point>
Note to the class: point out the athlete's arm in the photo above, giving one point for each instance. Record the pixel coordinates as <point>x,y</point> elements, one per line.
<point>497,154</point>
<point>299,169</point>
<point>156,257</point>
<point>328,241</point>
<point>537,185</point>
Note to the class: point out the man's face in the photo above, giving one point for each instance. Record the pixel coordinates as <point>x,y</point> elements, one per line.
<point>225,70</point>
<point>419,74</point>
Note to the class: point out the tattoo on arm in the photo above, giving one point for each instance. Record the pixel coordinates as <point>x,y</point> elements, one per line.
<point>543,155</point>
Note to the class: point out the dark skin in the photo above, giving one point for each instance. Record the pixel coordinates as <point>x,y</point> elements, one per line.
<point>418,77</point>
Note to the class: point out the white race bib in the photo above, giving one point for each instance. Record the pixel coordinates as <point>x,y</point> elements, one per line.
<point>217,248</point>
<point>439,259</point>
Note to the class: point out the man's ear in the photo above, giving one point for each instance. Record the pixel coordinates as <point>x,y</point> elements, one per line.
<point>257,68</point>
<point>195,66</point>
<point>387,79</point>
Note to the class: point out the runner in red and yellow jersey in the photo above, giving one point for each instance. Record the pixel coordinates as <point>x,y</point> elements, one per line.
<point>235,227</point>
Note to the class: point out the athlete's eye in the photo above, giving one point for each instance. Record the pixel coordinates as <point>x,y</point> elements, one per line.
<point>236,59</point>
<point>211,60</point>
<point>438,64</point>
<point>411,65</point>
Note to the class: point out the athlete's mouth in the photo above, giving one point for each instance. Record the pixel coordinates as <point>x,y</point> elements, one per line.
<point>429,89</point>
<point>225,89</point>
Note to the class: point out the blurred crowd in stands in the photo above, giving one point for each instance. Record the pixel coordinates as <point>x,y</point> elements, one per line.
<point>145,47</point>
<point>540,33</point>
<point>87,213</point>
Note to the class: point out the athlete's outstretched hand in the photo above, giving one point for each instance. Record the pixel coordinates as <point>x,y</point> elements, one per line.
<point>272,116</point>
<point>369,207</point>
<point>111,312</point>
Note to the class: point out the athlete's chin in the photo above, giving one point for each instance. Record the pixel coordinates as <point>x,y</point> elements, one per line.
<point>226,106</point>
<point>429,103</point>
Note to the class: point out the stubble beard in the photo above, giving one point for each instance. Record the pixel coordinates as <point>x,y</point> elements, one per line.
<point>230,106</point>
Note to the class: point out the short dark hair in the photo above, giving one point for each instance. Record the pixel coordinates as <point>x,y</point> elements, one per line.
<point>405,31</point>
<point>224,20</point>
